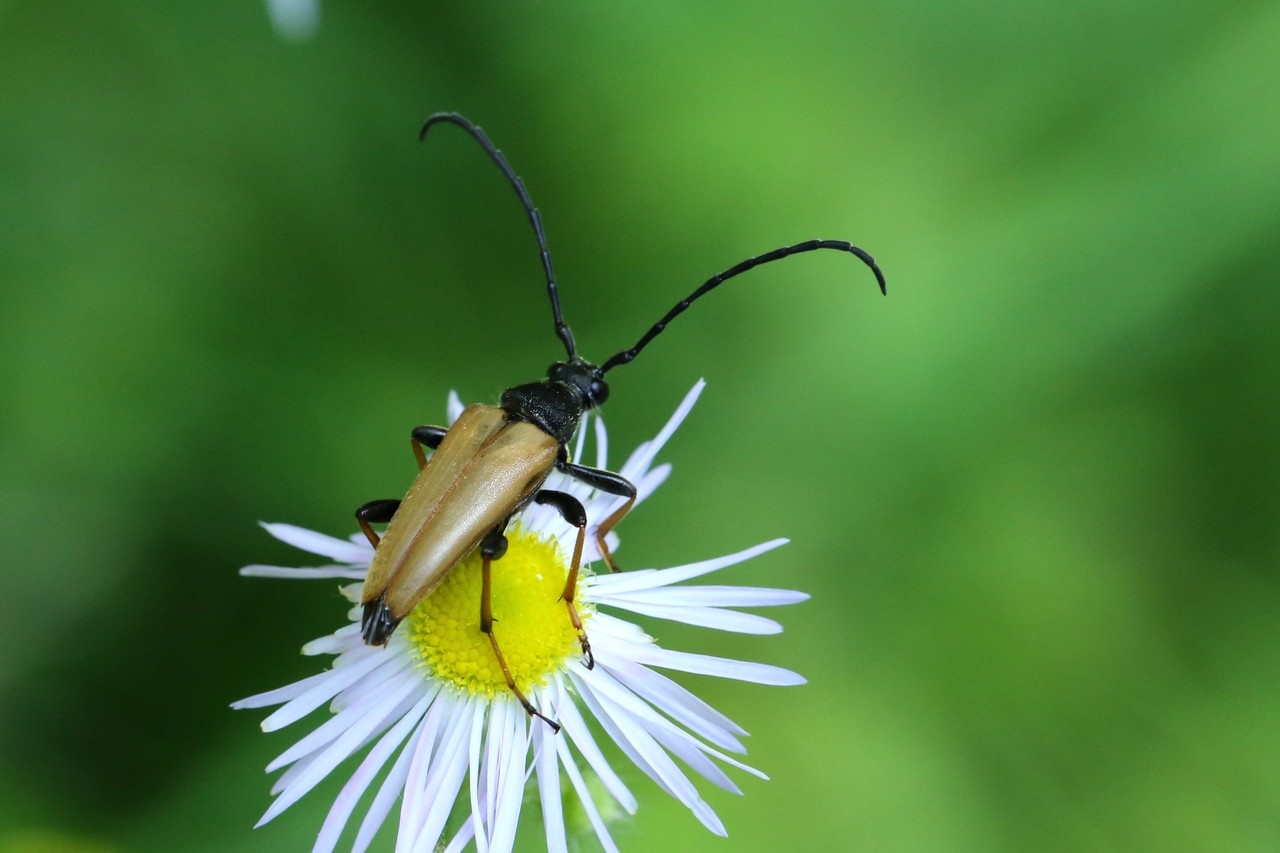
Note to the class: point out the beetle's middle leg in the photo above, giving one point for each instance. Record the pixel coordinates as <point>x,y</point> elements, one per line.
<point>378,512</point>
<point>492,547</point>
<point>426,436</point>
<point>609,483</point>
<point>571,510</point>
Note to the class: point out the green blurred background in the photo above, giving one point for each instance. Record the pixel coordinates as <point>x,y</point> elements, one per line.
<point>1034,492</point>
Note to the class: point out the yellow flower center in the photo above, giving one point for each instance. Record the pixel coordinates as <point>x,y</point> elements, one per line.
<point>530,619</point>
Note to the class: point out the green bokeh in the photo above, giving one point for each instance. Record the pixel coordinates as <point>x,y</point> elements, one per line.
<point>1035,493</point>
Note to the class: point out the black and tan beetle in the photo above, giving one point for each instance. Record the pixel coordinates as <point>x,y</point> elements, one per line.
<point>493,461</point>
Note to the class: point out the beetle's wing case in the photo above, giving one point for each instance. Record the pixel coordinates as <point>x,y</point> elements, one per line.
<point>485,469</point>
<point>464,439</point>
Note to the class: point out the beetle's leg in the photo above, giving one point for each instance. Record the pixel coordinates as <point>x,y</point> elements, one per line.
<point>426,436</point>
<point>570,509</point>
<point>610,483</point>
<point>492,547</point>
<point>378,512</point>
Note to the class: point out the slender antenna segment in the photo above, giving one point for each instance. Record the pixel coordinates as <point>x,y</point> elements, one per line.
<point>628,355</point>
<point>562,328</point>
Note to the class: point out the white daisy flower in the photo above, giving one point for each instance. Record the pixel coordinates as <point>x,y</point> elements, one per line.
<point>433,704</point>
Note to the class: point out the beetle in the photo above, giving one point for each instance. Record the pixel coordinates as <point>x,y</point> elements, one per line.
<point>493,461</point>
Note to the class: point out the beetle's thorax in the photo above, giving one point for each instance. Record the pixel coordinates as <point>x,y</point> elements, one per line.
<point>555,405</point>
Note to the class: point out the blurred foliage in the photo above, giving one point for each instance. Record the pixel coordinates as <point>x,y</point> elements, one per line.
<point>1035,492</point>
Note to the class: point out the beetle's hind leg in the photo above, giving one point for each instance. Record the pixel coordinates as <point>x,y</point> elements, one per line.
<point>377,512</point>
<point>426,436</point>
<point>609,483</point>
<point>571,510</point>
<point>492,547</point>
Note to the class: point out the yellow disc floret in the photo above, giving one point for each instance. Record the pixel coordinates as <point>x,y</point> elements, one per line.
<point>530,619</point>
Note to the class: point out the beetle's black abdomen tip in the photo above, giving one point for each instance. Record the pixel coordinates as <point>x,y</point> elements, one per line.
<point>377,623</point>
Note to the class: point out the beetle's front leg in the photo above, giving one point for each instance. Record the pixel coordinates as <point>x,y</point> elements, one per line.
<point>492,547</point>
<point>571,510</point>
<point>610,483</point>
<point>378,512</point>
<point>426,436</point>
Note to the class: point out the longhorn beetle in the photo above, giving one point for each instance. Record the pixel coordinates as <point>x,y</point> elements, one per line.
<point>493,461</point>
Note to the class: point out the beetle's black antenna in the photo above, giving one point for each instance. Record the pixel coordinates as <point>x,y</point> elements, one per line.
<point>628,355</point>
<point>562,328</point>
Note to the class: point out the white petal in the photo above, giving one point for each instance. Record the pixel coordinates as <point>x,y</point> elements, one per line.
<point>351,792</point>
<point>683,745</point>
<point>378,681</point>
<point>393,786</point>
<point>612,584</point>
<point>515,746</point>
<point>339,678</point>
<point>580,437</point>
<point>548,768</point>
<point>417,761</point>
<point>686,749</point>
<point>338,751</point>
<point>579,733</point>
<point>728,759</point>
<point>758,673</point>
<point>475,742</point>
<point>678,703</point>
<point>454,407</point>
<point>643,456</point>
<point>670,736</point>
<point>288,777</point>
<point>345,641</point>
<point>615,733</point>
<point>629,733</point>
<point>444,778</point>
<point>584,796</point>
<point>281,694</point>
<point>703,617</point>
<point>605,625</point>
<point>714,596</point>
<point>370,702</point>
<point>602,445</point>
<point>318,543</point>
<point>673,738</point>
<point>647,484</point>
<point>299,573</point>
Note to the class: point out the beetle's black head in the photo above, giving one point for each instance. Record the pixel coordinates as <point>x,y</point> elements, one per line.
<point>555,405</point>
<point>586,379</point>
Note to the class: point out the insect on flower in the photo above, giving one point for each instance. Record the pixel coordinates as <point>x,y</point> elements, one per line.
<point>493,461</point>
<point>432,704</point>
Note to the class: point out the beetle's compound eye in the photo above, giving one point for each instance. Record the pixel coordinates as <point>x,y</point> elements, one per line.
<point>599,391</point>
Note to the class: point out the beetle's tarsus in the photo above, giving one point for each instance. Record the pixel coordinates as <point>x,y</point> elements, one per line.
<point>534,712</point>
